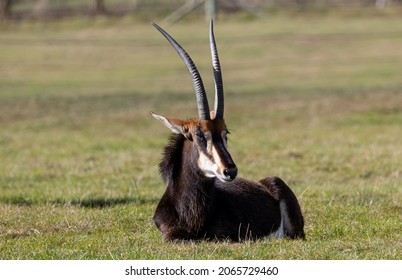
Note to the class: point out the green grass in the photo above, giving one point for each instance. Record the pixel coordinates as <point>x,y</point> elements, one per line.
<point>316,101</point>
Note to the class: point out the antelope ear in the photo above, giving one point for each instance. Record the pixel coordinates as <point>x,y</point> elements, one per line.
<point>175,125</point>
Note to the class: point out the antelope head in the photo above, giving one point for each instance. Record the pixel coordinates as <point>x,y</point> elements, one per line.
<point>207,133</point>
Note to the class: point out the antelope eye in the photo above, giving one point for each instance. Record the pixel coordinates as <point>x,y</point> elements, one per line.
<point>199,133</point>
<point>201,139</point>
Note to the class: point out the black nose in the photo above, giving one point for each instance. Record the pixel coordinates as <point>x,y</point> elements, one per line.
<point>231,172</point>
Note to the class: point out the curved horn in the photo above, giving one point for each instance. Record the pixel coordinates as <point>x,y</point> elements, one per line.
<point>202,101</point>
<point>219,99</point>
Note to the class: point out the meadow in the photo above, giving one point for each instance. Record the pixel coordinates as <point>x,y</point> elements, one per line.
<point>316,101</point>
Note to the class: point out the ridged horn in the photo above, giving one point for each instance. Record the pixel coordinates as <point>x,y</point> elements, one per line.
<point>202,101</point>
<point>219,99</point>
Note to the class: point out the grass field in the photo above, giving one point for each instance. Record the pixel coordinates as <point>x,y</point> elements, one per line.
<point>314,100</point>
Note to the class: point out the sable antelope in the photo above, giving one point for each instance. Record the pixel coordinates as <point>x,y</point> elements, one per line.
<point>204,198</point>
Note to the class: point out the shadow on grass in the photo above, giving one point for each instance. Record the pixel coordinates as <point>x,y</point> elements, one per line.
<point>109,202</point>
<point>84,203</point>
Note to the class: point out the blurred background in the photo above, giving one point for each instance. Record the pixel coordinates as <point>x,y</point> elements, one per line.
<point>28,9</point>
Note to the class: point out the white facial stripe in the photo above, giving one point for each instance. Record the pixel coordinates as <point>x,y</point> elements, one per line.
<point>204,162</point>
<point>212,164</point>
<point>217,159</point>
<point>212,168</point>
<point>207,166</point>
<point>208,137</point>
